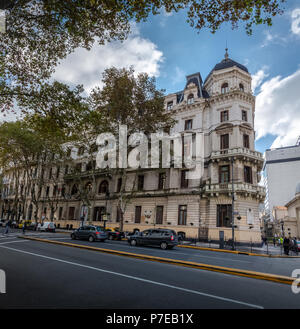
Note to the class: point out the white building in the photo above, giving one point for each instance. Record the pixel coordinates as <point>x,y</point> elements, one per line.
<point>222,108</point>
<point>281,175</point>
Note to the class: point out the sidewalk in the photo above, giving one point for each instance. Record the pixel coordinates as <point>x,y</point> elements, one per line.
<point>265,249</point>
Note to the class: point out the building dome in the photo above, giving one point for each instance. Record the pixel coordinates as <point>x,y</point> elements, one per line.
<point>227,63</point>
<point>298,189</point>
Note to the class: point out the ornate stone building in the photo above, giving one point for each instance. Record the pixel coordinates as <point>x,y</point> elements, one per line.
<point>222,108</point>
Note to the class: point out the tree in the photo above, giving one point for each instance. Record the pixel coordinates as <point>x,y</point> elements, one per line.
<point>40,33</point>
<point>26,152</point>
<point>134,102</point>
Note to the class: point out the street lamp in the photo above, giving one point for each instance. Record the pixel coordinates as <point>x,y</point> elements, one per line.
<point>232,207</point>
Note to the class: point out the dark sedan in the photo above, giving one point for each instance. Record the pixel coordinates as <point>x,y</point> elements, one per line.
<point>165,239</point>
<point>89,232</point>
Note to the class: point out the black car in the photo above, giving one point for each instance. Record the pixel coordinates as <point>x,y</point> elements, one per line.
<point>114,234</point>
<point>89,232</point>
<point>166,239</point>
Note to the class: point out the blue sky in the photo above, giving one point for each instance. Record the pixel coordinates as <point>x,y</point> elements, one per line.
<point>168,48</point>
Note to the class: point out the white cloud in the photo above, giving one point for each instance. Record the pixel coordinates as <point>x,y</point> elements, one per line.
<point>295,21</point>
<point>178,76</point>
<point>278,109</point>
<point>258,78</point>
<point>273,38</point>
<point>86,67</point>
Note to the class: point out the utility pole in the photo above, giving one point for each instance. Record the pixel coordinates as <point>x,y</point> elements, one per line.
<point>232,206</point>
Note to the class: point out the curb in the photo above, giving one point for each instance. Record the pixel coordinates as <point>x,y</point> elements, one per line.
<point>236,252</point>
<point>214,268</point>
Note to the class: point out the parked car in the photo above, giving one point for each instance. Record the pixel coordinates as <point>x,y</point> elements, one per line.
<point>89,232</point>
<point>166,239</point>
<point>32,226</point>
<point>20,225</point>
<point>47,227</point>
<point>2,222</point>
<point>114,234</point>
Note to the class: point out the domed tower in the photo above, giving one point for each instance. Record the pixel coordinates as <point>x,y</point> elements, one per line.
<point>233,165</point>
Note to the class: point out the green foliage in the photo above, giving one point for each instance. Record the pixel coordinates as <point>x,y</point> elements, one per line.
<point>40,33</point>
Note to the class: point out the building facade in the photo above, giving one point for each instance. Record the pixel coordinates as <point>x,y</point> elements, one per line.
<point>281,175</point>
<point>222,109</point>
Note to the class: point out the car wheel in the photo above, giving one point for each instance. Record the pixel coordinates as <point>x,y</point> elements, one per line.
<point>73,237</point>
<point>133,243</point>
<point>91,238</point>
<point>164,245</point>
<point>110,237</point>
<point>102,240</point>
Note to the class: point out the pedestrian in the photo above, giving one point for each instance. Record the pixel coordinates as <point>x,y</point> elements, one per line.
<point>286,245</point>
<point>295,245</point>
<point>274,241</point>
<point>6,227</point>
<point>24,227</point>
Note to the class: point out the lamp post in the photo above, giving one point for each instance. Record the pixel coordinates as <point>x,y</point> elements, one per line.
<point>232,206</point>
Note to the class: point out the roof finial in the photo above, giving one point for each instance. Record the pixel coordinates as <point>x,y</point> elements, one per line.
<point>226,53</point>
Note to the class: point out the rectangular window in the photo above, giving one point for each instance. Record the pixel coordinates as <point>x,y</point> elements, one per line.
<point>60,212</point>
<point>224,174</point>
<point>244,115</point>
<point>66,170</point>
<point>188,124</point>
<point>182,214</point>
<point>119,186</point>
<point>170,106</point>
<point>224,215</point>
<point>224,141</point>
<point>47,191</point>
<point>57,172</point>
<point>224,116</point>
<point>140,182</point>
<point>159,214</point>
<point>161,180</point>
<point>54,190</point>
<point>246,141</point>
<point>118,215</point>
<point>71,213</point>
<point>184,180</point>
<point>138,213</point>
<point>99,212</point>
<point>50,173</point>
<point>248,174</point>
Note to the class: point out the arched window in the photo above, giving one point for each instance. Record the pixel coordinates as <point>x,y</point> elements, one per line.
<point>74,189</point>
<point>241,86</point>
<point>103,187</point>
<point>190,99</point>
<point>224,88</point>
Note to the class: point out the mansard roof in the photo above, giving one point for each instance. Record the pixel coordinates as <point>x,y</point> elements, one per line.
<point>225,64</point>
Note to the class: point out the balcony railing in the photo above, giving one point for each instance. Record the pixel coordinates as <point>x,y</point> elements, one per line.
<point>238,187</point>
<point>237,151</point>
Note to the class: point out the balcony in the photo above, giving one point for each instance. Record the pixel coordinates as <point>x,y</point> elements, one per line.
<point>242,188</point>
<point>238,151</point>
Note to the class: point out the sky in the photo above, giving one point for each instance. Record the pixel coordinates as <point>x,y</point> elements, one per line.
<point>167,48</point>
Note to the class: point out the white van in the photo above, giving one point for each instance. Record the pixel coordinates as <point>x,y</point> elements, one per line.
<point>47,227</point>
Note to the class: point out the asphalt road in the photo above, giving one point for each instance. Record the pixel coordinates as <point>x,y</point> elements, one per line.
<point>41,275</point>
<point>280,266</point>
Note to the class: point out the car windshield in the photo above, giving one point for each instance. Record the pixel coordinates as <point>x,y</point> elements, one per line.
<point>99,228</point>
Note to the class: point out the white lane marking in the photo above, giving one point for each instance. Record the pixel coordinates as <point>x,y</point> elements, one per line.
<point>138,279</point>
<point>15,241</point>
